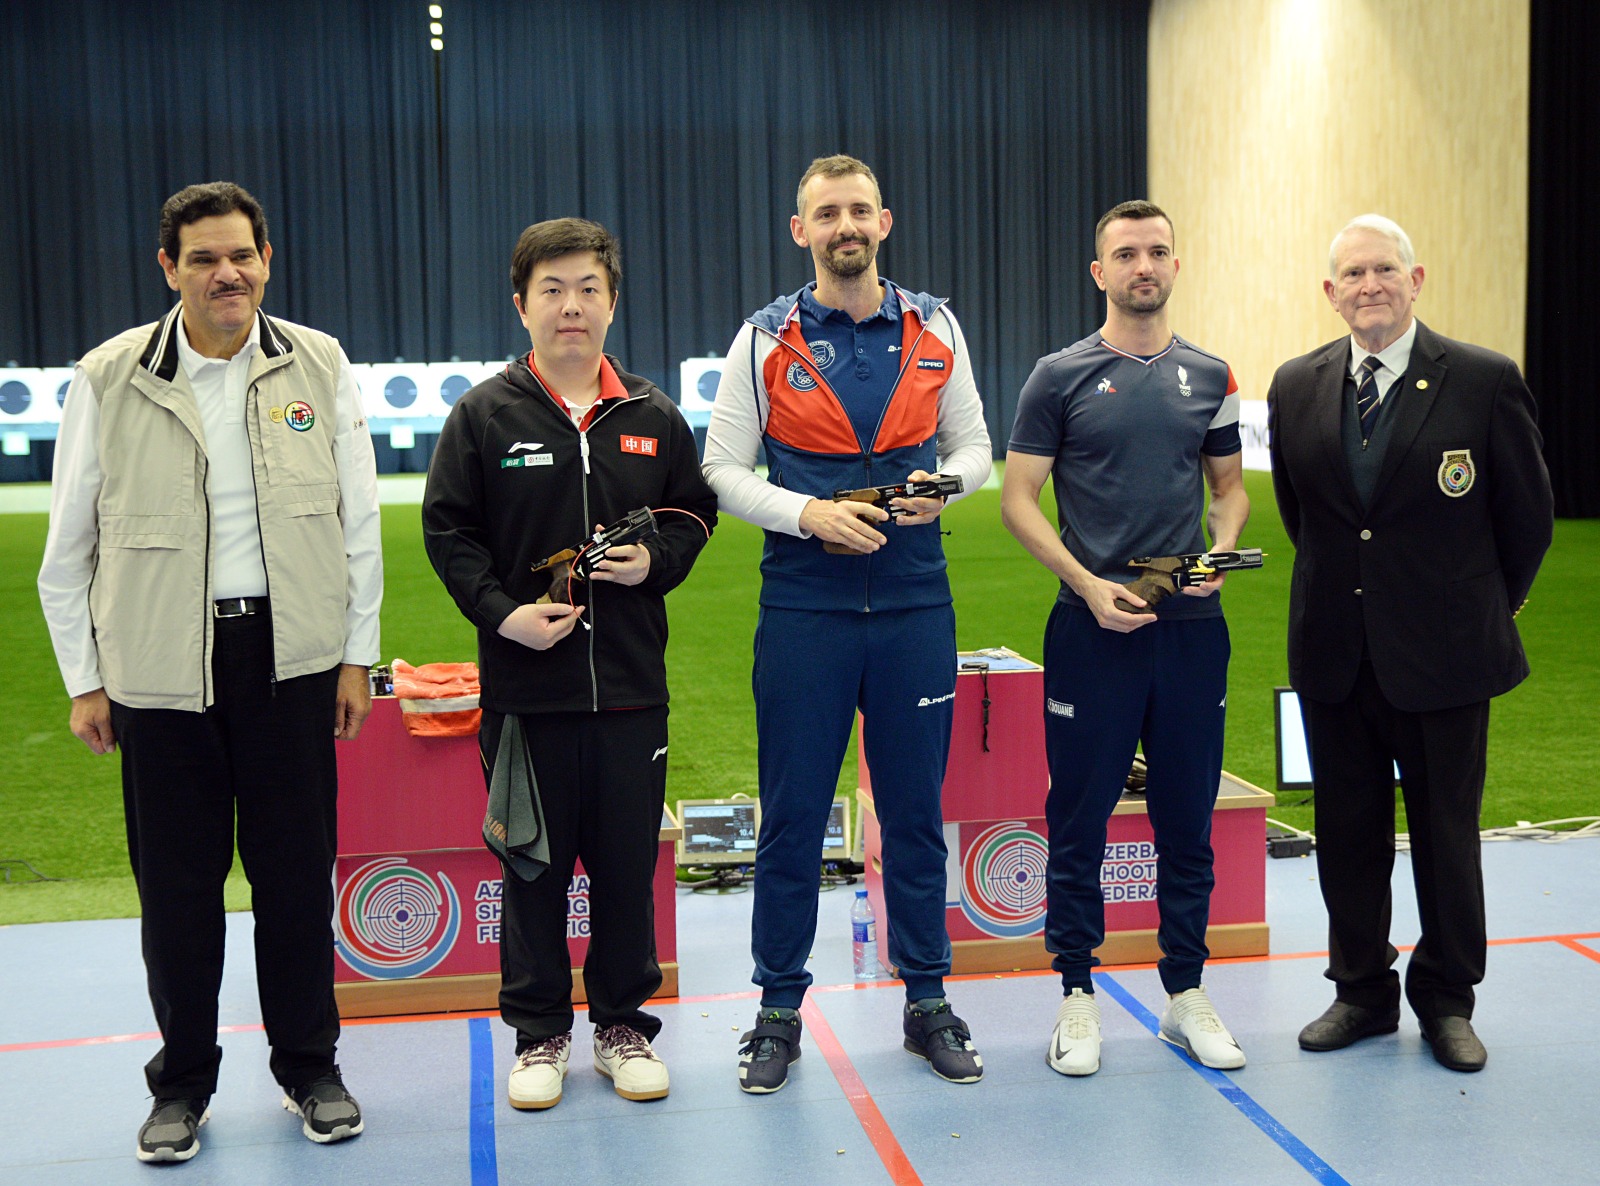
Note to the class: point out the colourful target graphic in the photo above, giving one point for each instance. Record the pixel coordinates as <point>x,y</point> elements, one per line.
<point>393,921</point>
<point>1003,880</point>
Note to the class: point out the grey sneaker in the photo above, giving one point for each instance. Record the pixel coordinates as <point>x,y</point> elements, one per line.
<point>172,1133</point>
<point>329,1113</point>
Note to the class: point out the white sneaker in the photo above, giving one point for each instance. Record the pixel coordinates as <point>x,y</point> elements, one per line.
<point>535,1081</point>
<point>623,1055</point>
<point>1192,1025</point>
<point>1075,1045</point>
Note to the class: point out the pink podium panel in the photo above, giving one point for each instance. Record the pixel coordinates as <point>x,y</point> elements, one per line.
<point>417,896</point>
<point>995,832</point>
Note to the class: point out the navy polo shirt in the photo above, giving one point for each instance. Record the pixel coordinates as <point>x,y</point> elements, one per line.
<point>1127,435</point>
<point>859,359</point>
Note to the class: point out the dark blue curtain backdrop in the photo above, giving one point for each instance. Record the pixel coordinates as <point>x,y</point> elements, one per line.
<point>1563,309</point>
<point>396,180</point>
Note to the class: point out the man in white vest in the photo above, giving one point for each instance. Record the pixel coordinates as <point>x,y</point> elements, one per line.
<point>211,579</point>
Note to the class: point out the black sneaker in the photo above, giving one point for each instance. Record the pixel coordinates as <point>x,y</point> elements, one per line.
<point>935,1033</point>
<point>330,1113</point>
<point>173,1131</point>
<point>768,1050</point>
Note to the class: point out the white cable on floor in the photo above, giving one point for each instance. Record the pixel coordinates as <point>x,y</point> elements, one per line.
<point>1549,832</point>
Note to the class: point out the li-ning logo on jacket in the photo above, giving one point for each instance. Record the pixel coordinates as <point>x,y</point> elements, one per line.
<point>531,459</point>
<point>821,354</point>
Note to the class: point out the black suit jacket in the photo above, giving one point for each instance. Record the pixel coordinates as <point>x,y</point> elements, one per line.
<point>1431,580</point>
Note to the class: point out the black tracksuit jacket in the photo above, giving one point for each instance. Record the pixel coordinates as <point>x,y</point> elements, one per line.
<point>512,482</point>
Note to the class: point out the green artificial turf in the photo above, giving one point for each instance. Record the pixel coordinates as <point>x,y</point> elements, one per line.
<point>61,807</point>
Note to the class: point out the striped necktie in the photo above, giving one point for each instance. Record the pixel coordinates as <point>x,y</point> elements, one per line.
<point>1367,396</point>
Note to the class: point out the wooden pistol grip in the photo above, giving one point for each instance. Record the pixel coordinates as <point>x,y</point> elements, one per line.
<point>557,593</point>
<point>840,549</point>
<point>1154,587</point>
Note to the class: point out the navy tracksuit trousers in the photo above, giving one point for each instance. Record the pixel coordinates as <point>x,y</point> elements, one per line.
<point>813,670</point>
<point>1164,685</point>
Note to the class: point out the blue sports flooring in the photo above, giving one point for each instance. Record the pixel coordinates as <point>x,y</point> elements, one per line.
<point>75,1031</point>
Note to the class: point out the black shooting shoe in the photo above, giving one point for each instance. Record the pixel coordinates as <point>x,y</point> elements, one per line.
<point>768,1050</point>
<point>935,1033</point>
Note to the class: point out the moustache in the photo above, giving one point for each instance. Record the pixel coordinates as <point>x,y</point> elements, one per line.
<point>229,290</point>
<point>845,242</point>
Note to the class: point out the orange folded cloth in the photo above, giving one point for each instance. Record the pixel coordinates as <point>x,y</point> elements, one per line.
<point>438,699</point>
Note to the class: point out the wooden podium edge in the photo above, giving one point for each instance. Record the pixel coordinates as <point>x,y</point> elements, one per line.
<point>1226,940</point>
<point>1233,794</point>
<point>452,994</point>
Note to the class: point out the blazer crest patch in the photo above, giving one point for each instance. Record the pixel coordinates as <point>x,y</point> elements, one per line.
<point>1457,472</point>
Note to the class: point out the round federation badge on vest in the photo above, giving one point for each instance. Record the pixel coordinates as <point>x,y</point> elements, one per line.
<point>1456,472</point>
<point>800,378</point>
<point>299,416</point>
<point>822,355</point>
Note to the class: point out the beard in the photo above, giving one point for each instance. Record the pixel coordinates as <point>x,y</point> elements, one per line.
<point>850,266</point>
<point>1124,299</point>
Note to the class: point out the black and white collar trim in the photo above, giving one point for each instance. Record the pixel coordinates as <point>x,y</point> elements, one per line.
<point>160,357</point>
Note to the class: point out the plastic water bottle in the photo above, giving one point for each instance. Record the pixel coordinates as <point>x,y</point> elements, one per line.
<point>864,934</point>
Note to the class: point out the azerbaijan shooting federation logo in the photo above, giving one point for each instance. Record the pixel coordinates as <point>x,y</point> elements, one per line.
<point>1003,880</point>
<point>393,921</point>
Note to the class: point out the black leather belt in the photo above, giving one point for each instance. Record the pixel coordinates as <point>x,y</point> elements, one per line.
<point>238,607</point>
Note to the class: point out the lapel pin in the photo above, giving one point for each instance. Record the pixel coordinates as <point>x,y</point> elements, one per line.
<point>1422,385</point>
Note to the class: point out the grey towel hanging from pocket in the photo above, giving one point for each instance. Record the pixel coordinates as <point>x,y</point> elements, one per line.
<point>513,826</point>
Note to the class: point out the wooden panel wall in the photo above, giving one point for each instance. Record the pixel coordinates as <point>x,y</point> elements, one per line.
<point>1273,122</point>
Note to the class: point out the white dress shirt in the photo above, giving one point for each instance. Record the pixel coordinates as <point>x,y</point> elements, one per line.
<point>1394,357</point>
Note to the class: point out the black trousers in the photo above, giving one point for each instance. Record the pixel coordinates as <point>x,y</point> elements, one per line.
<point>1354,745</point>
<point>261,757</point>
<point>602,783</point>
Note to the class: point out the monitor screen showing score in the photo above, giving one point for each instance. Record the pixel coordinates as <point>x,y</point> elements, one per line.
<point>724,831</point>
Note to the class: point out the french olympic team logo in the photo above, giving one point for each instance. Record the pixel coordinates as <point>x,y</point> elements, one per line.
<point>1003,880</point>
<point>393,921</point>
<point>822,354</point>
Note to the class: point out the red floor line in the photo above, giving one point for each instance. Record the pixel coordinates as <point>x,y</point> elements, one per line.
<point>1572,943</point>
<point>113,1039</point>
<point>861,1102</point>
<point>1538,939</point>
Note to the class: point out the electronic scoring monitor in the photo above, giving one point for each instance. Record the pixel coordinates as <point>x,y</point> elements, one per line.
<point>718,831</point>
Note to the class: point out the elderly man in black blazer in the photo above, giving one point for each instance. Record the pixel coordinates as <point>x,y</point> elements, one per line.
<point>1408,473</point>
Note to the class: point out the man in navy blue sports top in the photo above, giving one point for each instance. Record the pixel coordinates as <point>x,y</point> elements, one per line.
<point>1132,424</point>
